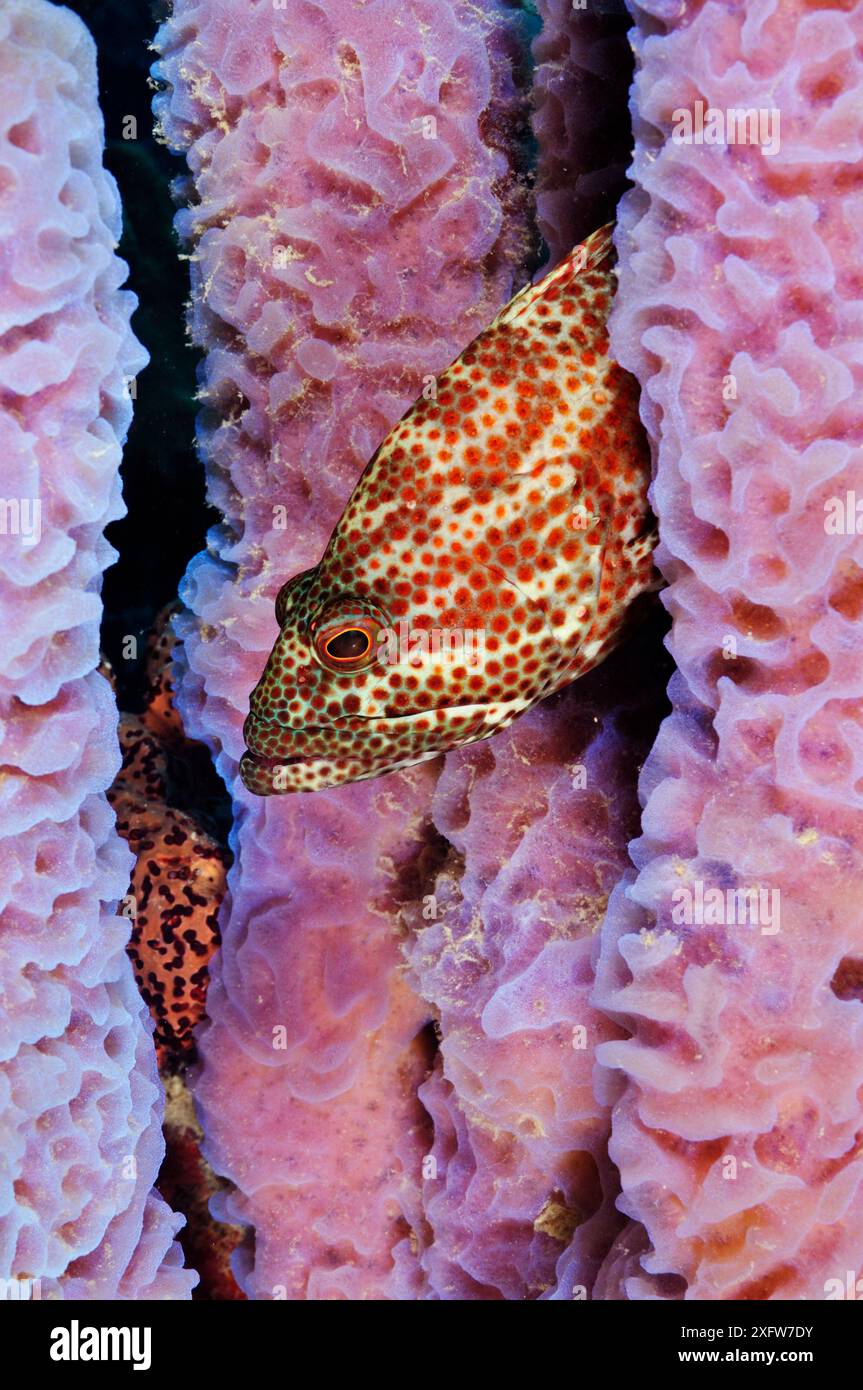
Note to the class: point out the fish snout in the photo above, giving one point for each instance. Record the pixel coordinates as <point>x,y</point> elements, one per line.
<point>250,733</point>
<point>271,739</point>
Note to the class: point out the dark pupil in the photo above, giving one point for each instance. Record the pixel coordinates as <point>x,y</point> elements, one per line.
<point>347,645</point>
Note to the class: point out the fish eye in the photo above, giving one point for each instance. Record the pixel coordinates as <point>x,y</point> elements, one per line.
<point>349,645</point>
<point>343,638</point>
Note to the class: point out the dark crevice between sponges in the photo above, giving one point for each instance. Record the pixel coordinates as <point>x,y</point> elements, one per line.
<point>171,806</point>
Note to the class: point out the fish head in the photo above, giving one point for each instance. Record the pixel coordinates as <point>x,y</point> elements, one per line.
<point>363,680</point>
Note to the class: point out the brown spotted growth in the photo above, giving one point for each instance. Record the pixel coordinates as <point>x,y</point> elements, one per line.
<point>187,1182</point>
<point>487,556</point>
<point>178,883</point>
<point>179,877</point>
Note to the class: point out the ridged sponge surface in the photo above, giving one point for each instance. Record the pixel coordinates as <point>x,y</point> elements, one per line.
<point>353,221</point>
<point>735,956</point>
<point>80,1100</point>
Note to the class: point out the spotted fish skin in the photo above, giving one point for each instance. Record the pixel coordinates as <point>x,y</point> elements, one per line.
<point>511,505</point>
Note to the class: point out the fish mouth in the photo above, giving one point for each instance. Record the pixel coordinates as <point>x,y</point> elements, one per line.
<point>281,759</point>
<point>275,776</point>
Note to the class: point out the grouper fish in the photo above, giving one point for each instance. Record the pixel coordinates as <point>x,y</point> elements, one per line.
<point>489,553</point>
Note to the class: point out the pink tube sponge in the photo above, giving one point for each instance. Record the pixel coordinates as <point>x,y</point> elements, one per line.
<point>521,1197</point>
<point>80,1102</point>
<point>353,221</point>
<point>737,1128</point>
